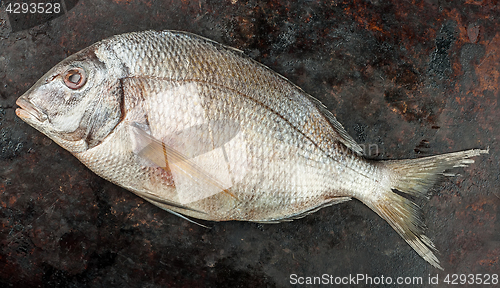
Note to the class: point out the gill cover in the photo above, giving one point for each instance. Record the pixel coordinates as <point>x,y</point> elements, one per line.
<point>79,100</point>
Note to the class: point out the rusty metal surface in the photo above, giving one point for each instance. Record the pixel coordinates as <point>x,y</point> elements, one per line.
<point>406,78</point>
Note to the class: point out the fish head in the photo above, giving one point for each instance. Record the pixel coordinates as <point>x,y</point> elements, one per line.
<point>76,103</point>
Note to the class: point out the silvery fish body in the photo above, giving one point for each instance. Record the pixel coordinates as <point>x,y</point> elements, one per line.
<point>201,130</point>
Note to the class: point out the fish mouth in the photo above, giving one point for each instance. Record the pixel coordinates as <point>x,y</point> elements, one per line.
<point>28,111</point>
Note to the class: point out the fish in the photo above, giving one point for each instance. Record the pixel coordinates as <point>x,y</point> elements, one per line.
<point>205,132</point>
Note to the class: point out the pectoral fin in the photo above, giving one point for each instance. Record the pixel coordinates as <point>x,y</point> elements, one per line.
<point>192,180</point>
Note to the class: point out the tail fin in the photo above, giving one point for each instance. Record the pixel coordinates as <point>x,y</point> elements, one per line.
<point>415,177</point>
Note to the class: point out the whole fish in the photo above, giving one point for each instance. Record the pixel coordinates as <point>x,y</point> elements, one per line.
<point>201,130</point>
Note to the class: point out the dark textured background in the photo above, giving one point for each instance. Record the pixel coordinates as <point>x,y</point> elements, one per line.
<point>415,78</point>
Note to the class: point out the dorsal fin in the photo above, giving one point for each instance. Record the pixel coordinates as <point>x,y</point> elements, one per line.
<point>344,137</point>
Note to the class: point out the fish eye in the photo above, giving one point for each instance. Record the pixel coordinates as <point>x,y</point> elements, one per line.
<point>75,78</point>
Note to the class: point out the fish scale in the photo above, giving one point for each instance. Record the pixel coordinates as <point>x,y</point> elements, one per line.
<point>255,81</point>
<point>262,153</point>
<point>201,130</point>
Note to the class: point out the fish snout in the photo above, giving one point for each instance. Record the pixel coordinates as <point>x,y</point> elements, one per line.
<point>28,110</point>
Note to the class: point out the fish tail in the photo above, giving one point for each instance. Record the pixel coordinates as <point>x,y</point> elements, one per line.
<point>414,177</point>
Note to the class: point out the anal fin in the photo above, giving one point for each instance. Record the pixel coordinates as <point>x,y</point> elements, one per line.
<point>303,214</point>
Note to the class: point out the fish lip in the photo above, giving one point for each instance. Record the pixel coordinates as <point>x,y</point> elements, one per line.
<point>28,110</point>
